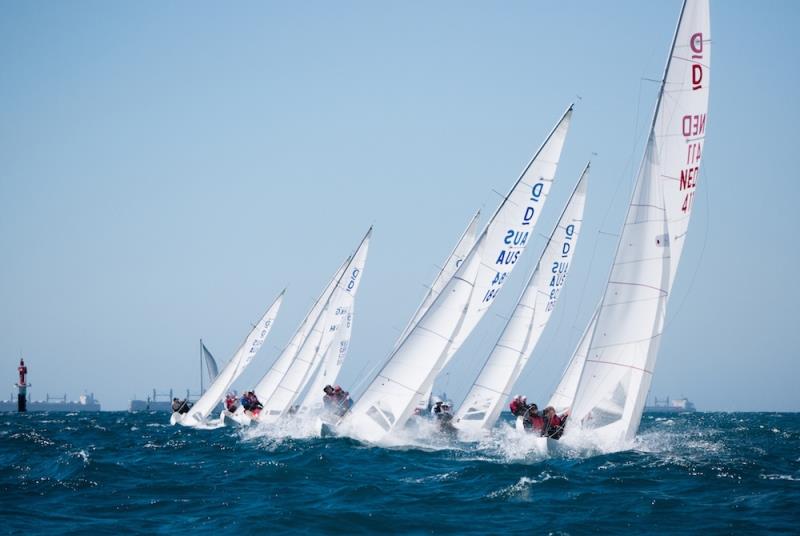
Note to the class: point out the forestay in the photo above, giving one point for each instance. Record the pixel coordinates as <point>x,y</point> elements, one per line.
<point>319,338</point>
<point>409,373</point>
<point>484,401</point>
<point>243,356</point>
<point>269,382</point>
<point>625,340</point>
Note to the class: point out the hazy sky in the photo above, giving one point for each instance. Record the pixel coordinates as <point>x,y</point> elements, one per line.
<point>166,168</point>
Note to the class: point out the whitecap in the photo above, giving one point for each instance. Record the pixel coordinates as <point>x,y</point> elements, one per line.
<point>780,477</point>
<point>521,491</point>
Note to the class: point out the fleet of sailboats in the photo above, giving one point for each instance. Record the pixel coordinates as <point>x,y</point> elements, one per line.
<point>604,385</point>
<point>412,367</point>
<point>198,414</point>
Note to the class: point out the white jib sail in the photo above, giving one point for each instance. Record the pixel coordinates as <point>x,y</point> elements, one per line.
<point>269,382</point>
<point>319,338</point>
<point>331,365</point>
<point>564,395</point>
<point>447,272</point>
<point>484,401</point>
<point>243,356</point>
<point>390,398</point>
<point>625,340</point>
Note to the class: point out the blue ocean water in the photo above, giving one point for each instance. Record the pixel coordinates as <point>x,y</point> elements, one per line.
<point>122,472</point>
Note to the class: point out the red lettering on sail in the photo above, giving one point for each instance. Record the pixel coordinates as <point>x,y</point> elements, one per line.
<point>696,44</point>
<point>694,125</point>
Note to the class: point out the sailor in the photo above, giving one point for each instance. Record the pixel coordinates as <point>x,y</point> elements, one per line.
<point>342,399</point>
<point>444,416</point>
<point>329,401</point>
<point>180,406</point>
<point>250,402</point>
<point>554,423</point>
<point>336,400</point>
<point>230,402</point>
<point>518,406</point>
<point>532,421</point>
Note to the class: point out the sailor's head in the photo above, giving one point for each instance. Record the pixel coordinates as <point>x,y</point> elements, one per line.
<point>175,399</point>
<point>518,397</point>
<point>534,408</point>
<point>549,411</point>
<point>338,389</point>
<point>328,389</point>
<point>524,399</point>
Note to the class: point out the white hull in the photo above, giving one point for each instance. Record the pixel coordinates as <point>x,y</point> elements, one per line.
<point>237,418</point>
<point>205,424</point>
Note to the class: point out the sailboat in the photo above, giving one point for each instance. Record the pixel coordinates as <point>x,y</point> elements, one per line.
<point>412,367</point>
<point>318,347</point>
<point>618,351</point>
<point>198,414</point>
<point>318,362</point>
<point>492,387</point>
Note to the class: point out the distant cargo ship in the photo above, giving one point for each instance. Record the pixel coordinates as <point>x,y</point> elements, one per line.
<point>667,405</point>
<point>84,403</point>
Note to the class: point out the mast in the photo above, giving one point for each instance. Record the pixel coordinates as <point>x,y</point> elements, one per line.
<point>201,367</point>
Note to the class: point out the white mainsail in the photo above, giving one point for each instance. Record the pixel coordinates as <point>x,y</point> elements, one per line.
<point>269,382</point>
<point>223,381</point>
<point>412,367</point>
<point>624,342</point>
<point>319,338</point>
<point>483,403</point>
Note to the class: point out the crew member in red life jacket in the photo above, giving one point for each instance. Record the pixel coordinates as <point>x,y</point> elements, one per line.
<point>250,403</point>
<point>518,406</point>
<point>23,370</point>
<point>342,399</point>
<point>532,420</point>
<point>554,423</point>
<point>230,402</point>
<point>329,400</point>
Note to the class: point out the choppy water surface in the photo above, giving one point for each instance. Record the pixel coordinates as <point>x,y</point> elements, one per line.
<point>112,472</point>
